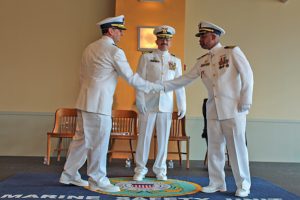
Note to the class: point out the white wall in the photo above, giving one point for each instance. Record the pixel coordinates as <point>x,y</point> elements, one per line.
<point>24,134</point>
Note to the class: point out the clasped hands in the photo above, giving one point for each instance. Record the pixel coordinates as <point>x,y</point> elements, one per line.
<point>157,86</point>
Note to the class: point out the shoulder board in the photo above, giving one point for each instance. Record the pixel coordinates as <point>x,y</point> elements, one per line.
<point>144,52</point>
<point>202,56</point>
<point>229,47</point>
<point>116,46</point>
<point>173,55</point>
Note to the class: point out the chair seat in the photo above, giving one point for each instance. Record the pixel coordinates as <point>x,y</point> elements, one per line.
<point>181,138</point>
<point>59,135</point>
<point>177,138</point>
<point>123,137</point>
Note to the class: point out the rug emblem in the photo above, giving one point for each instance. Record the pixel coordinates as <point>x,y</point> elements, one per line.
<point>143,186</point>
<point>151,187</point>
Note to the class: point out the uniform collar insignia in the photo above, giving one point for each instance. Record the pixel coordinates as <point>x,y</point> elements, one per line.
<point>154,60</point>
<point>202,56</point>
<point>229,47</point>
<point>116,45</point>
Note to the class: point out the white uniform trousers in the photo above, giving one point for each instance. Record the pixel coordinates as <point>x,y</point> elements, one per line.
<point>89,143</point>
<point>146,126</point>
<point>230,132</point>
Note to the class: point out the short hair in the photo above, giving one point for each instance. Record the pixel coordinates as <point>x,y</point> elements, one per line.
<point>104,31</point>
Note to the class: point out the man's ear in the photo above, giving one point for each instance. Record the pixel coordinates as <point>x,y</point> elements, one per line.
<point>156,41</point>
<point>110,31</point>
<point>215,37</point>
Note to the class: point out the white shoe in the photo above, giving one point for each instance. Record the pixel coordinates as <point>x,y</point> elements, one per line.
<point>212,189</point>
<point>240,192</point>
<point>78,182</point>
<point>161,177</point>
<point>104,187</point>
<point>138,177</point>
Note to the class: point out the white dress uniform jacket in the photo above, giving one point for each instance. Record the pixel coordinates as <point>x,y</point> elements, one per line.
<point>102,62</point>
<point>228,77</point>
<point>160,66</point>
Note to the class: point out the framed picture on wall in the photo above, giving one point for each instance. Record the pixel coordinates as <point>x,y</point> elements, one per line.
<point>146,38</point>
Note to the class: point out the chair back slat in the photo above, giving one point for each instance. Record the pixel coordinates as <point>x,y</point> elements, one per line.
<point>65,120</point>
<point>177,126</point>
<point>124,121</point>
<point>64,129</point>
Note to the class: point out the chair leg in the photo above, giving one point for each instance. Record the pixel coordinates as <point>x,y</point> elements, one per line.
<point>111,149</point>
<point>188,154</point>
<point>179,152</point>
<point>228,162</point>
<point>48,149</point>
<point>154,149</point>
<point>131,150</point>
<point>205,159</point>
<point>59,149</point>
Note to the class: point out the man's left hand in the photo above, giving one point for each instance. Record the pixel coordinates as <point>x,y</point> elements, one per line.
<point>157,87</point>
<point>181,114</point>
<point>243,107</point>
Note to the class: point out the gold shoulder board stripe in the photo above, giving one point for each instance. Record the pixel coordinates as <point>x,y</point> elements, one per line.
<point>202,56</point>
<point>117,46</point>
<point>229,47</point>
<point>144,52</point>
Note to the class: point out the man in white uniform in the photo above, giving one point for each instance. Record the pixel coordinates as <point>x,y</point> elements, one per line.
<point>156,109</point>
<point>102,63</point>
<point>228,77</point>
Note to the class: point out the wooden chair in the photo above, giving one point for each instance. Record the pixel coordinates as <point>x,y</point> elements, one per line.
<point>178,135</point>
<point>64,127</point>
<point>124,127</point>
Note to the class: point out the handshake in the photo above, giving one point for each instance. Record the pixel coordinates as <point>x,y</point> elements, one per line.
<point>156,87</point>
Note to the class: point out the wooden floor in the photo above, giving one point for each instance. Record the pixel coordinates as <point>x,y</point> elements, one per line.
<point>285,175</point>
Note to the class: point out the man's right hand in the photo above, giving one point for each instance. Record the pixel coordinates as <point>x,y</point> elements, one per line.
<point>157,87</point>
<point>141,107</point>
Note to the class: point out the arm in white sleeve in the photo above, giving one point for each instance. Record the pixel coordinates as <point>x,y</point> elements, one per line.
<point>180,92</point>
<point>182,80</point>
<point>140,95</point>
<point>246,74</point>
<point>124,70</point>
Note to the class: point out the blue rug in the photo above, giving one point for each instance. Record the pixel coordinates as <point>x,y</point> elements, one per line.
<point>46,186</point>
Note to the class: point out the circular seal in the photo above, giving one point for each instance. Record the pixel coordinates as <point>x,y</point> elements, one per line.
<point>151,187</point>
<point>143,186</point>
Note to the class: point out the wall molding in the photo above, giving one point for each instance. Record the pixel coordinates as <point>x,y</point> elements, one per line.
<point>269,140</point>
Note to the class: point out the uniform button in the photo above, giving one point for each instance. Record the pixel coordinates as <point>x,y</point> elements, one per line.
<point>214,75</point>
